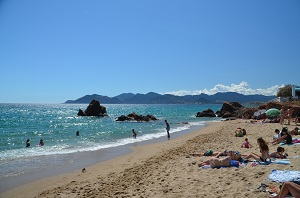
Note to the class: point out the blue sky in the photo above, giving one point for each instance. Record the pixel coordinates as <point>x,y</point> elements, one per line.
<point>53,50</point>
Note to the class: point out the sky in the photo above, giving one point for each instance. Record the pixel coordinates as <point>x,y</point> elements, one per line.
<point>52,50</point>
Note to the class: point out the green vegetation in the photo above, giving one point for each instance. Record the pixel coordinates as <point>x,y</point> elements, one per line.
<point>285,91</point>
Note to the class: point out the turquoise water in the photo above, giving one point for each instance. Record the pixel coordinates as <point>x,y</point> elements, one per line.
<point>57,124</point>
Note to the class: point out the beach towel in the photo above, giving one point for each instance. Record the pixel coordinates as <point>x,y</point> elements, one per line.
<point>281,161</point>
<point>284,175</point>
<point>264,163</point>
<point>295,142</point>
<point>276,161</point>
<point>284,144</point>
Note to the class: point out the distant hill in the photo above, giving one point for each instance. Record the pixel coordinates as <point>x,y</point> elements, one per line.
<point>155,98</point>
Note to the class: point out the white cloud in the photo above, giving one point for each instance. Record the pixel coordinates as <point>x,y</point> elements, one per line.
<point>242,88</point>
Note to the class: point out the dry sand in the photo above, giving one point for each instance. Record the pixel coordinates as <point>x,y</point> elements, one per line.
<point>166,170</point>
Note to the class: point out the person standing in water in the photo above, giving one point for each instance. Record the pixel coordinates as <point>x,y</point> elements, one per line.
<point>41,142</point>
<point>28,143</point>
<point>134,134</point>
<point>168,128</point>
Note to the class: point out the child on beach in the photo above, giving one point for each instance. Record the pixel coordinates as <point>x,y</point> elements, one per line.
<point>277,134</point>
<point>246,144</point>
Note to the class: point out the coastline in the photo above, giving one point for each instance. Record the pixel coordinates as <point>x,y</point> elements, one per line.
<point>81,160</point>
<point>165,169</point>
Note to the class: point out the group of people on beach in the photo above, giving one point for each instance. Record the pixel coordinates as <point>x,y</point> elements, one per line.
<point>231,157</point>
<point>286,114</point>
<point>285,117</point>
<point>216,162</point>
<point>282,137</point>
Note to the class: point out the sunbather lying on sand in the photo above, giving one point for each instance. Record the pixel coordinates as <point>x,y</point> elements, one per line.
<point>288,187</point>
<point>234,155</point>
<point>216,162</point>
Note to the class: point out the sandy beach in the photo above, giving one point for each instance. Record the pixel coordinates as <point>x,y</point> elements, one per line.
<point>166,169</point>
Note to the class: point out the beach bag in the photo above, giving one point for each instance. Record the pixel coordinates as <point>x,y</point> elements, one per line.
<point>208,153</point>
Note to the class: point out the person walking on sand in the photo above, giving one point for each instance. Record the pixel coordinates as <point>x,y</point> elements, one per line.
<point>168,128</point>
<point>134,134</point>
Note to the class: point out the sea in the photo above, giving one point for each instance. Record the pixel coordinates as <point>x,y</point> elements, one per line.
<point>101,137</point>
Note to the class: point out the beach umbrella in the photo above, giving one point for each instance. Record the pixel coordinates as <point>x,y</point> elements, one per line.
<point>272,112</point>
<point>259,112</point>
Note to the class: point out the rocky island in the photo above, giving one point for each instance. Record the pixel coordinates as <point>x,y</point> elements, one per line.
<point>93,109</point>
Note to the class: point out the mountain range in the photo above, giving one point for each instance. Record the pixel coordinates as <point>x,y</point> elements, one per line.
<point>155,98</point>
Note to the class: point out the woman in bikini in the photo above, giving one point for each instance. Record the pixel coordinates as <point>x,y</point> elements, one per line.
<point>224,160</point>
<point>234,155</point>
<point>264,151</point>
<point>215,162</point>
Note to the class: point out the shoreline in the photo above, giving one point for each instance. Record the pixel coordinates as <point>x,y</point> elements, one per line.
<point>82,160</point>
<point>166,169</point>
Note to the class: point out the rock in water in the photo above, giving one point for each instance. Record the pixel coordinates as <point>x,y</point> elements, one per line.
<point>94,109</point>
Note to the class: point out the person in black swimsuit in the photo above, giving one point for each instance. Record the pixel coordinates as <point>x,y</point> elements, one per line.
<point>134,134</point>
<point>264,150</point>
<point>285,138</point>
<point>168,128</point>
<point>27,143</point>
